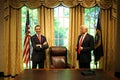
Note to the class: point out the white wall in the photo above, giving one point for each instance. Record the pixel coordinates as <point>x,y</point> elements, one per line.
<point>1,35</point>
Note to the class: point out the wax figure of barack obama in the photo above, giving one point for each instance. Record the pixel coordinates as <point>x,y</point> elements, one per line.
<point>39,44</point>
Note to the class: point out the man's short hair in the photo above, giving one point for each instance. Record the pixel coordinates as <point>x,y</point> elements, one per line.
<point>37,26</point>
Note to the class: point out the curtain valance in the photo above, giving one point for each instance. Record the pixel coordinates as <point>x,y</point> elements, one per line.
<point>104,4</point>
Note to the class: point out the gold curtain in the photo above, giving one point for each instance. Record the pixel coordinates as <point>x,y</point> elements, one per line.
<point>12,42</point>
<point>105,4</point>
<point>76,19</point>
<point>46,17</point>
<point>117,36</point>
<point>108,25</point>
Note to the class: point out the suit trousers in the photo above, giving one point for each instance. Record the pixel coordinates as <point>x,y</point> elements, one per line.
<point>39,63</point>
<point>84,65</point>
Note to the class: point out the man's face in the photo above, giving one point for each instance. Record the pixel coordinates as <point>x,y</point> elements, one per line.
<point>82,30</point>
<point>38,30</point>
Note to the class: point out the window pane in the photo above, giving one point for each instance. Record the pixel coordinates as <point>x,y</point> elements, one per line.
<point>61,26</point>
<point>92,31</point>
<point>60,11</point>
<point>66,12</point>
<point>61,21</point>
<point>91,16</point>
<point>66,22</point>
<point>55,12</point>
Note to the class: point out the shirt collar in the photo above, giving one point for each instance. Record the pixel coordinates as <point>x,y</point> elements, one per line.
<point>39,34</point>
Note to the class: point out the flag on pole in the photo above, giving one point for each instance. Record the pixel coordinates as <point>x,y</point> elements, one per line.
<point>26,52</point>
<point>98,49</point>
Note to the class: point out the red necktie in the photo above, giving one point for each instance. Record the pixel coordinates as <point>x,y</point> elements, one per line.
<point>80,43</point>
<point>39,38</point>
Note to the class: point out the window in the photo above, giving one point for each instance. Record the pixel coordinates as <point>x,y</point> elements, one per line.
<point>61,26</point>
<point>33,20</point>
<point>91,17</point>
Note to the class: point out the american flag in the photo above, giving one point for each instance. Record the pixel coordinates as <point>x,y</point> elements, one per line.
<point>26,53</point>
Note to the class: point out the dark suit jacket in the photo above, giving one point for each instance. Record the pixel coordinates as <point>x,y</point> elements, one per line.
<point>88,46</point>
<point>38,53</point>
